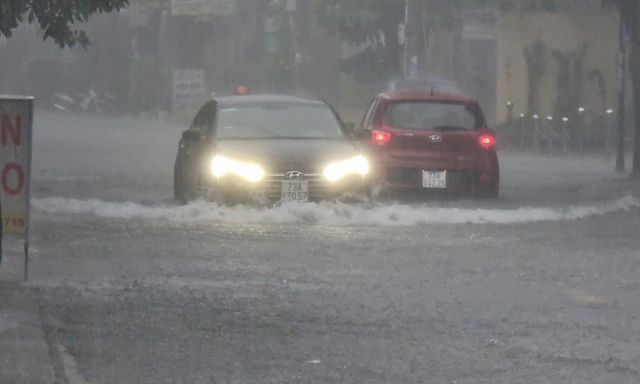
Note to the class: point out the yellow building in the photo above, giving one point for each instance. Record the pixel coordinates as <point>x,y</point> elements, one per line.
<point>559,33</point>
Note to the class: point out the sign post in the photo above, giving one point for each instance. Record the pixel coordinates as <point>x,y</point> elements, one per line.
<point>188,88</point>
<point>16,123</point>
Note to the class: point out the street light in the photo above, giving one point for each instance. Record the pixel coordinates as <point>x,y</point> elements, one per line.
<point>549,141</point>
<point>565,135</point>
<point>536,141</point>
<point>510,114</point>
<point>607,141</point>
<point>580,130</point>
<point>522,129</point>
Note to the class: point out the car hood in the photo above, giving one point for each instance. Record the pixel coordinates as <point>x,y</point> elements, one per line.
<point>282,155</point>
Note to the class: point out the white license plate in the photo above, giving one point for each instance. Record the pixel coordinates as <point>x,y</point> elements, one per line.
<point>434,179</point>
<point>295,191</point>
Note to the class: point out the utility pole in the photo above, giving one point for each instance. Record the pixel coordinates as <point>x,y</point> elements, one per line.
<point>405,67</point>
<point>621,99</point>
<point>297,56</point>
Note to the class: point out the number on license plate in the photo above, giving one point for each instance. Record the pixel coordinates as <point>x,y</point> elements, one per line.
<point>434,179</point>
<point>295,190</point>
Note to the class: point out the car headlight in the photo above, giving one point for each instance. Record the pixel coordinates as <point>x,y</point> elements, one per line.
<point>221,165</point>
<point>357,165</point>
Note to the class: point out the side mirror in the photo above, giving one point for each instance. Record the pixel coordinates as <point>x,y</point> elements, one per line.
<point>192,134</point>
<point>349,127</point>
<point>360,133</point>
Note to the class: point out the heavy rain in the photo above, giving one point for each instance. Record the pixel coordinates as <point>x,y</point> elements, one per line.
<point>319,191</point>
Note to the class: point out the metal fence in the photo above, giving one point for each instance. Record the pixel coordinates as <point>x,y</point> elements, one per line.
<point>584,132</point>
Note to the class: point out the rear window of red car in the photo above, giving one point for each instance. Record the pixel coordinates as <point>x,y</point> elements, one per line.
<point>433,115</point>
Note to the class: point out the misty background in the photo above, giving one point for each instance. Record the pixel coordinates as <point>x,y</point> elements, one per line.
<point>554,60</point>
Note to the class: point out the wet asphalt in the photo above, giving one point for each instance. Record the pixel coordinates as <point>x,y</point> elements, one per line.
<point>138,299</point>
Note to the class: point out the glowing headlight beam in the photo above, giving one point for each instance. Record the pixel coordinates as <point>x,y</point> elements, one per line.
<point>357,165</point>
<point>221,165</point>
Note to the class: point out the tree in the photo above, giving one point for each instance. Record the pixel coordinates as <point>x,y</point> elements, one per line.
<point>366,21</point>
<point>55,17</point>
<point>630,14</point>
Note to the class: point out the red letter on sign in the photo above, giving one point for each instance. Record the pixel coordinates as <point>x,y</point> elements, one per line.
<point>14,130</point>
<point>5,175</point>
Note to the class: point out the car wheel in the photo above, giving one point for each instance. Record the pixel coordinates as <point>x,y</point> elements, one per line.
<point>216,197</point>
<point>185,184</point>
<point>177,182</point>
<point>377,193</point>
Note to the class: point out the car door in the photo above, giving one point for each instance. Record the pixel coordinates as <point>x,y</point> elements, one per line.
<point>197,143</point>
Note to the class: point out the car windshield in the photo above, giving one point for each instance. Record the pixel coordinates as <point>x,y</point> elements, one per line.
<point>270,121</point>
<point>433,116</point>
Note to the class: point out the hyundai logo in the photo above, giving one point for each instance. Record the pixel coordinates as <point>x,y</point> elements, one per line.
<point>294,175</point>
<point>435,138</point>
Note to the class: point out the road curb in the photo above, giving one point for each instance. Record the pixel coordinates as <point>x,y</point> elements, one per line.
<point>24,352</point>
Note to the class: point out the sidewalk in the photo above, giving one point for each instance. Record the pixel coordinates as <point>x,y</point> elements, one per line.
<point>24,355</point>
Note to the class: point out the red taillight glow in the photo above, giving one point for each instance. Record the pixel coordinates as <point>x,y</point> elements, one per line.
<point>381,137</point>
<point>486,141</point>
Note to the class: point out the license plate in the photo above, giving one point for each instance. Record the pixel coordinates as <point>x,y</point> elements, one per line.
<point>295,190</point>
<point>434,179</point>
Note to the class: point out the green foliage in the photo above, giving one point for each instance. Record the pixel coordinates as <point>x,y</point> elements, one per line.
<point>366,21</point>
<point>54,17</point>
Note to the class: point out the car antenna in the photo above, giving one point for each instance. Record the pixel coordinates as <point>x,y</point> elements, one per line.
<point>432,90</point>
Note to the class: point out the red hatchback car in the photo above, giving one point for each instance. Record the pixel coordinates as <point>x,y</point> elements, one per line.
<point>431,141</point>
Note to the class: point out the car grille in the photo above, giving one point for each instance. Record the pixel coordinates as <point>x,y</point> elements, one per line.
<point>318,186</point>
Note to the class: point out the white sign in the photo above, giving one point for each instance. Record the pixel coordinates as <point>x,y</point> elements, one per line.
<point>188,89</point>
<point>16,121</point>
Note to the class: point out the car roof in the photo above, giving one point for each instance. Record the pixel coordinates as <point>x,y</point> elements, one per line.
<point>266,98</point>
<point>428,96</point>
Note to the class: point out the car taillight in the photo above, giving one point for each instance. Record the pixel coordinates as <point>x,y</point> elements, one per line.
<point>487,141</point>
<point>380,137</point>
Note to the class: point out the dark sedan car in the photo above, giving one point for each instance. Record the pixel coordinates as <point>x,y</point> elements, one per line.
<point>266,148</point>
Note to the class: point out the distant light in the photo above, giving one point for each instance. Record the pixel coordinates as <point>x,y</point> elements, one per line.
<point>522,115</point>
<point>609,111</point>
<point>535,116</point>
<point>565,119</point>
<point>509,103</point>
<point>549,117</point>
<point>580,109</point>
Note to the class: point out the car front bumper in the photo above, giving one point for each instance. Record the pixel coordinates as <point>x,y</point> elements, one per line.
<point>270,189</point>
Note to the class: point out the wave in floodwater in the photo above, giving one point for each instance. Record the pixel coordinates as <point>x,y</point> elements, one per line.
<point>328,213</point>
